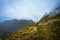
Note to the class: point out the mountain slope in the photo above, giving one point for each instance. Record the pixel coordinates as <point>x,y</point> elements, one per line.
<point>48,28</point>
<point>10,26</point>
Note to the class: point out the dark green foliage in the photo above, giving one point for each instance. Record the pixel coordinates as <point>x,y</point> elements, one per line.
<point>40,34</point>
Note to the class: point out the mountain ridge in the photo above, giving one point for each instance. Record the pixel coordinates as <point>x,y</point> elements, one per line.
<point>10,26</point>
<point>48,28</point>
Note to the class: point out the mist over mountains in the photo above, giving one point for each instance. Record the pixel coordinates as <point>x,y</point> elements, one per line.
<point>49,24</point>
<point>48,28</point>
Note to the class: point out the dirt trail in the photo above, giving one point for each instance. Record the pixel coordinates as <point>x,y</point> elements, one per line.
<point>48,22</point>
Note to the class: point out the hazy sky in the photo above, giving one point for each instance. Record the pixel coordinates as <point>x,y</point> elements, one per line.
<point>25,9</point>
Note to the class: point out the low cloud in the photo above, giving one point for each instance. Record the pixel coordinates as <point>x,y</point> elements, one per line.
<point>24,9</point>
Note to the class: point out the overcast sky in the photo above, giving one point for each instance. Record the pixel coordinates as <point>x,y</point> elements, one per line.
<point>25,9</point>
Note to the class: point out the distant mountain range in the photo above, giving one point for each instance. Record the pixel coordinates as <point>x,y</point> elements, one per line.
<point>48,28</point>
<point>10,26</point>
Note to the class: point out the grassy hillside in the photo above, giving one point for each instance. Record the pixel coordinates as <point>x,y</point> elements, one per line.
<point>47,29</point>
